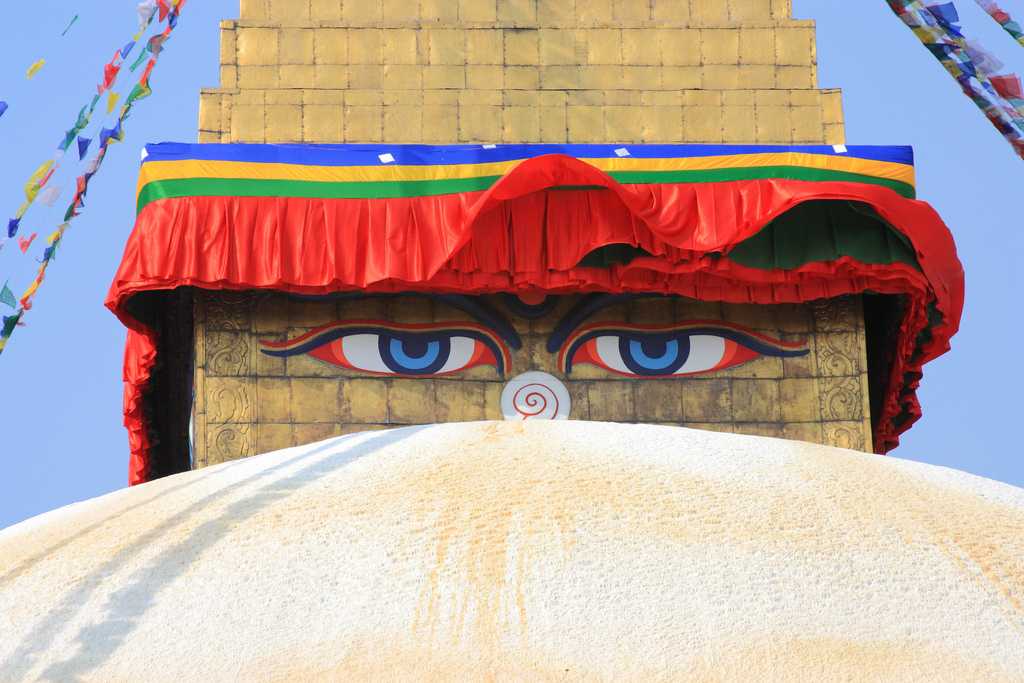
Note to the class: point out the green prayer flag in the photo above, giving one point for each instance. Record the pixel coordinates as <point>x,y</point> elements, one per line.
<point>139,60</point>
<point>139,92</point>
<point>7,297</point>
<point>10,322</point>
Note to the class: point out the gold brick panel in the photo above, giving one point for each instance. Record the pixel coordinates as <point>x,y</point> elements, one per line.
<point>247,402</point>
<point>543,13</point>
<point>492,71</point>
<point>460,115</point>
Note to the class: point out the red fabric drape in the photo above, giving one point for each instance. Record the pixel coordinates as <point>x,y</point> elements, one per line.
<point>519,235</point>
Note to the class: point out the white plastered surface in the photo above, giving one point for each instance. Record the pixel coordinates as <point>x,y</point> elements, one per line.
<point>526,551</point>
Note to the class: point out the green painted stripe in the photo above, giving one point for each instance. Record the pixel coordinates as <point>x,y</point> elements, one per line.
<point>232,187</point>
<point>721,175</point>
<point>244,187</point>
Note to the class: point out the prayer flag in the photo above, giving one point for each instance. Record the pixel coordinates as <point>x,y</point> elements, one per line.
<point>24,243</point>
<point>112,99</point>
<point>34,69</point>
<point>1008,86</point>
<point>946,15</point>
<point>7,297</point>
<point>108,134</point>
<point>3,107</point>
<point>110,71</point>
<point>37,180</point>
<point>10,322</point>
<point>83,147</point>
<point>146,10</point>
<point>143,56</point>
<point>12,227</point>
<point>51,195</point>
<point>156,44</point>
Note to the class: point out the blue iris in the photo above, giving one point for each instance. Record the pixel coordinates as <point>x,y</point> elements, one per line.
<point>654,354</point>
<point>414,354</point>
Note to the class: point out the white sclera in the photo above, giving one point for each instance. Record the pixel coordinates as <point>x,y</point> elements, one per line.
<point>462,349</point>
<point>363,352</point>
<point>608,350</point>
<point>706,351</point>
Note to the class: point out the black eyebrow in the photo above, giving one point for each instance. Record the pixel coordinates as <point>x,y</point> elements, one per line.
<point>484,314</point>
<point>586,307</point>
<point>473,305</point>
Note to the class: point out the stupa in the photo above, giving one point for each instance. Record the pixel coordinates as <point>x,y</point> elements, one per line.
<point>575,331</point>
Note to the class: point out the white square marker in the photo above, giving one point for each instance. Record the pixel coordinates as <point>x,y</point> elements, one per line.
<point>386,158</point>
<point>622,152</point>
<point>490,147</point>
<point>839,149</point>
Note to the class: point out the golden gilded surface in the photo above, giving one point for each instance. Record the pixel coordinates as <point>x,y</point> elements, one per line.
<point>451,71</point>
<point>448,71</point>
<point>249,403</point>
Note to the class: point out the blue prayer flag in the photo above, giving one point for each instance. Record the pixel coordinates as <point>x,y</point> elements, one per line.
<point>947,17</point>
<point>83,146</point>
<point>108,134</point>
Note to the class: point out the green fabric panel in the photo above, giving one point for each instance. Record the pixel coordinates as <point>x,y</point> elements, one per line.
<point>824,230</point>
<point>611,255</point>
<point>242,187</point>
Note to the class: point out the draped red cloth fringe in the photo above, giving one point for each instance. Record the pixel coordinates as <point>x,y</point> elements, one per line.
<point>519,236</point>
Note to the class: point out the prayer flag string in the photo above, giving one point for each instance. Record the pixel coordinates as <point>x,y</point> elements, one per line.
<point>973,68</point>
<point>147,11</point>
<point>170,12</point>
<point>1003,18</point>
<point>73,20</point>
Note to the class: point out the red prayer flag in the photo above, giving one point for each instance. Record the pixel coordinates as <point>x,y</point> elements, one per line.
<point>1008,86</point>
<point>110,71</point>
<point>24,243</point>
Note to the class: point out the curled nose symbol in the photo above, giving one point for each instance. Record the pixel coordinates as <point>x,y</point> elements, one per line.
<point>535,396</point>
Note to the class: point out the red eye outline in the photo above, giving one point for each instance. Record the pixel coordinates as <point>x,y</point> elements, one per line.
<point>325,343</point>
<point>741,345</point>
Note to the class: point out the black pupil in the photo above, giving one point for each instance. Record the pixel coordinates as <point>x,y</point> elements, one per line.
<point>415,347</point>
<point>655,348</point>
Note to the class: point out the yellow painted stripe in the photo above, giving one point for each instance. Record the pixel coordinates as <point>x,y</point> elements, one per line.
<point>193,168</point>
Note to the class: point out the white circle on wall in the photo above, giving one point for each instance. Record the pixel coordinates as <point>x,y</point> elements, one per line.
<point>535,396</point>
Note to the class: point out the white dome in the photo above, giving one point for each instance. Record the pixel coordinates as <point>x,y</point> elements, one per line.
<point>532,551</point>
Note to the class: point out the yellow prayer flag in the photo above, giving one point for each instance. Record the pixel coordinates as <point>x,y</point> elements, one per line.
<point>112,99</point>
<point>32,187</point>
<point>34,69</point>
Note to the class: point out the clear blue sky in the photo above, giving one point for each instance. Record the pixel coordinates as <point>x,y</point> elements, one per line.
<point>60,378</point>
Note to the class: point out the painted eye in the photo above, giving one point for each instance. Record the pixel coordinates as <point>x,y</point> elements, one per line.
<point>382,348</point>
<point>686,349</point>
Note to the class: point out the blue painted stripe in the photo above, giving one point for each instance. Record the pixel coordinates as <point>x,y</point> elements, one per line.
<point>431,155</point>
